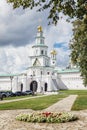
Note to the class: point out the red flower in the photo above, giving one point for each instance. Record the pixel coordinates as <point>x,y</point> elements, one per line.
<point>46,113</point>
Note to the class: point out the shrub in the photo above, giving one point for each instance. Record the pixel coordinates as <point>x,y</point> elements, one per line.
<point>48,117</point>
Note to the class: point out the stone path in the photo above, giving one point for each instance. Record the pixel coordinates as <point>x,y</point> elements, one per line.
<point>62,105</point>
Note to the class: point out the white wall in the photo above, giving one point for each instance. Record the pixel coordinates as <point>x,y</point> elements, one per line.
<point>5,84</point>
<point>72,80</point>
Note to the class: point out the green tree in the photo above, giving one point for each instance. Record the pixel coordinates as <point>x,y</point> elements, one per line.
<point>79,46</point>
<point>68,7</point>
<point>74,9</point>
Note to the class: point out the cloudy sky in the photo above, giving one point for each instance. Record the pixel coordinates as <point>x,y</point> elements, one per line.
<point>17,34</point>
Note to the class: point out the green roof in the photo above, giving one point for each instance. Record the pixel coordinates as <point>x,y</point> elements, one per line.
<point>39,45</point>
<point>8,75</point>
<point>68,70</point>
<point>40,67</point>
<point>39,56</point>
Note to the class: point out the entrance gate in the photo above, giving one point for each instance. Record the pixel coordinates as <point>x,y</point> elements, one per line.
<point>33,86</point>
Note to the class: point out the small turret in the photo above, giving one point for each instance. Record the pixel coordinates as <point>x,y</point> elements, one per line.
<point>39,28</point>
<point>53,57</point>
<point>53,52</point>
<point>39,37</point>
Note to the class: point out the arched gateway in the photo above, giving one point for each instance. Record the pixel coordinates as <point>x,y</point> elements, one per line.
<point>33,86</point>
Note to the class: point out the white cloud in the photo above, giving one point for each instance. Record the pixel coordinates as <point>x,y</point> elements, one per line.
<point>60,34</point>
<point>14,59</point>
<point>18,26</point>
<point>17,34</point>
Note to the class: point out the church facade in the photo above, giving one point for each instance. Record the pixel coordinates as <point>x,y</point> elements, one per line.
<point>42,75</point>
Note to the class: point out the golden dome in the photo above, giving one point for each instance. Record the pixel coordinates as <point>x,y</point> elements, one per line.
<point>39,28</point>
<point>53,52</point>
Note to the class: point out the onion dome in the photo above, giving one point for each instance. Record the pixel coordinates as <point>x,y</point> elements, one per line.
<point>53,52</point>
<point>39,28</point>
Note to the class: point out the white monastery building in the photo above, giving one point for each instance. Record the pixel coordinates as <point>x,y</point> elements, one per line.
<point>43,74</point>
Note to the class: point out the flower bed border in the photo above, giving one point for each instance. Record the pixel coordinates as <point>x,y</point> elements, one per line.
<point>47,117</point>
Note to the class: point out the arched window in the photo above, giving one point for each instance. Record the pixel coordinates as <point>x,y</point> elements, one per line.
<point>36,52</point>
<point>46,85</point>
<point>48,73</point>
<point>42,52</point>
<point>45,52</point>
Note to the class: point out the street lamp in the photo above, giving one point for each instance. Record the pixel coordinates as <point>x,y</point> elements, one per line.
<point>11,78</point>
<point>41,83</point>
<point>26,79</point>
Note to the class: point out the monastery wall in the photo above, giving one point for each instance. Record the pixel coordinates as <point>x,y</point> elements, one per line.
<point>72,81</point>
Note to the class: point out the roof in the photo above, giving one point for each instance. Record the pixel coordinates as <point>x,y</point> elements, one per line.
<point>8,75</point>
<point>40,67</point>
<point>68,70</point>
<point>39,45</point>
<point>39,56</point>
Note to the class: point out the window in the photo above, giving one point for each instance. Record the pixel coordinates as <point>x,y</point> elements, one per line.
<point>33,73</point>
<point>41,41</point>
<point>45,52</point>
<point>41,72</point>
<point>36,52</point>
<point>42,52</point>
<point>48,73</point>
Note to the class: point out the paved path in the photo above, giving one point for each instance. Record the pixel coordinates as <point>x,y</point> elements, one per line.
<point>62,105</point>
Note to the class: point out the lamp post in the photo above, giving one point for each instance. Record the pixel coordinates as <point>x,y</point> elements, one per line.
<point>41,83</point>
<point>11,78</point>
<point>26,79</point>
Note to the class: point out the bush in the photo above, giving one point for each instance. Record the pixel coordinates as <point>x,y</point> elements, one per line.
<point>48,117</point>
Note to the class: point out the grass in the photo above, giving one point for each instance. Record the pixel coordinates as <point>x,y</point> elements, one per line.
<point>35,104</point>
<point>77,92</point>
<point>81,101</point>
<point>17,97</point>
<point>44,102</point>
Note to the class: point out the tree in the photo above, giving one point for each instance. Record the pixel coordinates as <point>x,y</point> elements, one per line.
<point>68,7</point>
<point>79,46</point>
<point>74,9</point>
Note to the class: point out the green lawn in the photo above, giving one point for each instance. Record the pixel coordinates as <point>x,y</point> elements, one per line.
<point>17,97</point>
<point>81,101</point>
<point>35,104</point>
<point>44,102</point>
<point>78,92</point>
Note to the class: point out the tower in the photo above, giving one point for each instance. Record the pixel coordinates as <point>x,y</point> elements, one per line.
<point>40,57</point>
<point>53,58</point>
<point>40,75</point>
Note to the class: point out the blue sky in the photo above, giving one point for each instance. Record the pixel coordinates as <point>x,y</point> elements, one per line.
<point>61,45</point>
<point>17,34</point>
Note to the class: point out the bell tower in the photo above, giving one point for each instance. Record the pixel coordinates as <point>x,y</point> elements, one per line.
<point>53,57</point>
<point>40,57</point>
<point>39,37</point>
